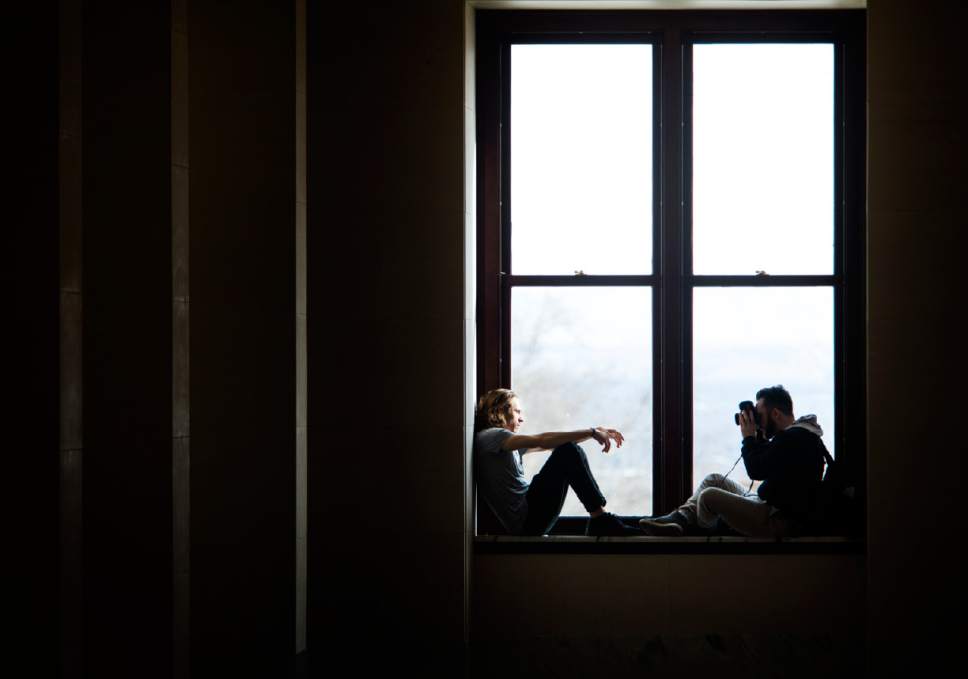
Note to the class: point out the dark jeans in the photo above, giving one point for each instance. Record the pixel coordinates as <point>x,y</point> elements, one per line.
<point>566,467</point>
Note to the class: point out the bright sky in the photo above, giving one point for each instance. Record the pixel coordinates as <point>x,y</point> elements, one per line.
<point>581,164</point>
<point>581,198</point>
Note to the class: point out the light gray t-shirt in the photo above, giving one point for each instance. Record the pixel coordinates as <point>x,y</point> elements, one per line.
<point>500,478</point>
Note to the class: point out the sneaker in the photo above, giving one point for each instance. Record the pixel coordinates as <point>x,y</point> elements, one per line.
<point>609,524</point>
<point>673,524</point>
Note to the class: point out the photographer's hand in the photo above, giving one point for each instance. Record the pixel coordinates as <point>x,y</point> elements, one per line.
<point>746,425</point>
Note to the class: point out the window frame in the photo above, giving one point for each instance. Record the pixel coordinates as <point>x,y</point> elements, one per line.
<point>673,32</point>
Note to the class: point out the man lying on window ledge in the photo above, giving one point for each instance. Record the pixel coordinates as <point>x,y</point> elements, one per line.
<point>532,509</point>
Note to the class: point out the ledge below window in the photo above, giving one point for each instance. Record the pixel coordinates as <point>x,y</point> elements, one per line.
<point>579,544</point>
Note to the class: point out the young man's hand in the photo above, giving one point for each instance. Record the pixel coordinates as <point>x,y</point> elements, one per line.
<point>605,436</point>
<point>746,424</point>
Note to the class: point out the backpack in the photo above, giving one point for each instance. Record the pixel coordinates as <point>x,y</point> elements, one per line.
<point>836,508</point>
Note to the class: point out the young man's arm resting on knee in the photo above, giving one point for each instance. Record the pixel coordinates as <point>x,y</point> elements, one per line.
<point>552,439</point>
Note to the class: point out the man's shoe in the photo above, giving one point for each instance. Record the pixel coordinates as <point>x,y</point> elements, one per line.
<point>673,524</point>
<point>609,524</point>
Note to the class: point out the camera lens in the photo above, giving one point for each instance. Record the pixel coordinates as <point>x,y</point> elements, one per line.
<point>745,405</point>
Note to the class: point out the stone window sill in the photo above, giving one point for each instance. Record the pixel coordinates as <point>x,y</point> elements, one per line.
<point>579,544</point>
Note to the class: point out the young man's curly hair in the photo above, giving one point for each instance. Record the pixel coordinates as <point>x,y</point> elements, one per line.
<point>776,397</point>
<point>494,409</point>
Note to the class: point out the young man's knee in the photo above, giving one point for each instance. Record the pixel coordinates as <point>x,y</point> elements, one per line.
<point>708,494</point>
<point>710,505</point>
<point>711,498</point>
<point>568,454</point>
<point>570,448</point>
<point>713,480</point>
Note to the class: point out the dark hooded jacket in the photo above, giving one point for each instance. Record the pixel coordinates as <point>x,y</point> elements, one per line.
<point>790,466</point>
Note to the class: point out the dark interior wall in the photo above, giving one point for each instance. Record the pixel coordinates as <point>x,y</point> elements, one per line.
<point>242,327</point>
<point>916,339</point>
<point>126,253</point>
<point>386,285</point>
<point>102,91</point>
<point>592,597</point>
<point>386,324</point>
<point>31,397</point>
<point>669,615</point>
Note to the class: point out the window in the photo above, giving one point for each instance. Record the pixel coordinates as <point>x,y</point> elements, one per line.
<point>670,215</point>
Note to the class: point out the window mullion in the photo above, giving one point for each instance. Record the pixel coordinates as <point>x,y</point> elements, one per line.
<point>672,469</point>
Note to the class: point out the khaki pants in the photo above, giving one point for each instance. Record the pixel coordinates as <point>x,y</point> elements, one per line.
<point>719,498</point>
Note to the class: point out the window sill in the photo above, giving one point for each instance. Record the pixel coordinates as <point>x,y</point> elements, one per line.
<point>580,544</point>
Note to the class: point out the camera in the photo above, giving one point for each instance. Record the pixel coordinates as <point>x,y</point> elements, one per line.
<point>748,405</point>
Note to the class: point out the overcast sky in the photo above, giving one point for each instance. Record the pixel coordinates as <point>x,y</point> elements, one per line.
<point>581,199</point>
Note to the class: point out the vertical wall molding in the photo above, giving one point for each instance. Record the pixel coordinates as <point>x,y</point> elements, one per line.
<point>301,348</point>
<point>181,410</point>
<point>71,316</point>
<point>469,169</point>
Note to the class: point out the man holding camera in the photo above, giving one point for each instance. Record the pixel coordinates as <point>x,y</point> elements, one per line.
<point>783,452</point>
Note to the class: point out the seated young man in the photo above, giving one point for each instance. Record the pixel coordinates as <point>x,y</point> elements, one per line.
<point>532,509</point>
<point>789,461</point>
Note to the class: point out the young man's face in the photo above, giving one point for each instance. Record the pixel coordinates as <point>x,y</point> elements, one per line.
<point>764,419</point>
<point>517,419</point>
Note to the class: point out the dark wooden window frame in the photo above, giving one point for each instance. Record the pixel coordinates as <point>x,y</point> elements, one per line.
<point>672,33</point>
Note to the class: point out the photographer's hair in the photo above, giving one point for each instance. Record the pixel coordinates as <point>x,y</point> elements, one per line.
<point>776,397</point>
<point>494,409</point>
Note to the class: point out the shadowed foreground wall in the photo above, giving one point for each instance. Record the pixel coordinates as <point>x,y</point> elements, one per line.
<point>126,477</point>
<point>243,351</point>
<point>386,329</point>
<point>916,340</point>
<point>108,174</point>
<point>31,400</point>
<point>765,615</point>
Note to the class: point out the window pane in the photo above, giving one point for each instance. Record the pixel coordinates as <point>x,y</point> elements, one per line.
<point>749,338</point>
<point>581,159</point>
<point>763,159</point>
<point>582,357</point>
